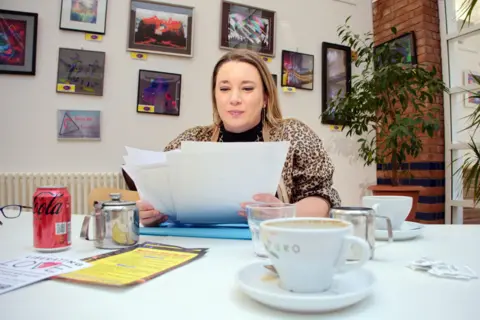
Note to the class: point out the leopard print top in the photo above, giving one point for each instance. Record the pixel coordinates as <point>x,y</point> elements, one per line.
<point>308,170</point>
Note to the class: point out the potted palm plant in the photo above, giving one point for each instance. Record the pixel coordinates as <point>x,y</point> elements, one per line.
<point>466,10</point>
<point>470,168</point>
<point>390,107</point>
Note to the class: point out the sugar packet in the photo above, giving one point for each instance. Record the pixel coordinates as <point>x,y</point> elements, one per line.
<point>443,270</point>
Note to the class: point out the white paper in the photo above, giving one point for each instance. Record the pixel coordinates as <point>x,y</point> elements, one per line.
<point>211,180</point>
<point>154,181</point>
<point>139,165</point>
<point>141,157</point>
<point>33,268</point>
<point>206,182</point>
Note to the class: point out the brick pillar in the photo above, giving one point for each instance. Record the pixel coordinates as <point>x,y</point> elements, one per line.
<point>428,170</point>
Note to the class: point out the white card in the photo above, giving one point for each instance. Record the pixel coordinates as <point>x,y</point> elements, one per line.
<point>33,268</point>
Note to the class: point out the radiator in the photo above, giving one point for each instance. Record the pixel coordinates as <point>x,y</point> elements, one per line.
<point>19,187</point>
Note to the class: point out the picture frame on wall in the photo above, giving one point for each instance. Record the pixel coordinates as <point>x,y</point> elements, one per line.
<point>247,27</point>
<point>297,70</point>
<point>78,125</point>
<point>275,79</point>
<point>350,2</point>
<point>336,76</point>
<point>159,92</point>
<point>161,28</point>
<point>470,100</point>
<point>88,16</point>
<point>18,42</point>
<point>80,71</point>
<point>401,49</point>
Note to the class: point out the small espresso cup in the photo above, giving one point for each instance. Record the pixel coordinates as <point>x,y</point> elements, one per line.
<point>308,252</point>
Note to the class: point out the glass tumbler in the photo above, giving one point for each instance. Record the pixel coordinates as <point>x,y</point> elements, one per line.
<point>258,212</point>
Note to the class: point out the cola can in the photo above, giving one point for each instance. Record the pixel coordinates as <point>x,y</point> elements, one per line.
<point>52,219</point>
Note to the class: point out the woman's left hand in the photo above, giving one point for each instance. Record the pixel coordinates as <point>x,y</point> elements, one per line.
<point>259,197</point>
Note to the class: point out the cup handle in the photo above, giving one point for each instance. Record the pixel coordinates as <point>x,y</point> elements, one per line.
<point>389,222</point>
<point>389,227</point>
<point>84,231</point>
<point>85,228</point>
<point>342,266</point>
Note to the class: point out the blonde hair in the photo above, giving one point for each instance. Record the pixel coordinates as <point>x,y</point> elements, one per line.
<point>273,115</point>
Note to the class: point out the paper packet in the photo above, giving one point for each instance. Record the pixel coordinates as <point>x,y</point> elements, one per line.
<point>443,270</point>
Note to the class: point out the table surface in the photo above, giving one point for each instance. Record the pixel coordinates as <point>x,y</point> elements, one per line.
<point>206,288</point>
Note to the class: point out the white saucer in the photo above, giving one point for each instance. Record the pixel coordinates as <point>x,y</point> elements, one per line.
<point>263,285</point>
<point>407,231</point>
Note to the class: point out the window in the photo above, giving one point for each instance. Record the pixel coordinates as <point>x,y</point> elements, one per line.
<point>461,59</point>
<point>455,16</point>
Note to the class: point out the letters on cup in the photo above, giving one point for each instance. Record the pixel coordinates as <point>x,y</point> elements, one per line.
<point>274,248</point>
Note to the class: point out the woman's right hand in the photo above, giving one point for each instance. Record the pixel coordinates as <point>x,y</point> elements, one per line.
<point>149,217</point>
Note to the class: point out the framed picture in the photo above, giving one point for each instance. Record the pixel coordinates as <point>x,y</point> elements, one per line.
<point>472,97</point>
<point>80,71</point>
<point>297,70</point>
<point>159,92</point>
<point>18,42</point>
<point>162,28</point>
<point>247,27</point>
<point>402,49</point>
<point>84,15</point>
<point>275,79</point>
<point>78,125</point>
<point>351,2</point>
<point>336,76</point>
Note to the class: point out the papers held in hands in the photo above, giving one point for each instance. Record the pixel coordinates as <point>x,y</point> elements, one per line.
<point>205,182</point>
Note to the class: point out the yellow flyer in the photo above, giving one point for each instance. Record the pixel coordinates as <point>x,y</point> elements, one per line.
<point>134,265</point>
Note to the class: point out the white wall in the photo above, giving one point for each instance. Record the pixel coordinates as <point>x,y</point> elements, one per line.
<point>29,104</point>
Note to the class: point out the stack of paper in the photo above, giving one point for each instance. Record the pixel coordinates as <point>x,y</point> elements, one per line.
<point>205,182</point>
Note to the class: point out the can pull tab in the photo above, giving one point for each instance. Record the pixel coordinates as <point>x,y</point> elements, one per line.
<point>115,196</point>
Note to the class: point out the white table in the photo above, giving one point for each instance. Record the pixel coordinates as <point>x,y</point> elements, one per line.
<point>206,289</point>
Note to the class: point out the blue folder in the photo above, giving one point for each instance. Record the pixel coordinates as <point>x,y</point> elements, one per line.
<point>216,231</point>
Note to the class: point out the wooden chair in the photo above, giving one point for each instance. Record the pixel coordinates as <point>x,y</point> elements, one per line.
<point>103,194</point>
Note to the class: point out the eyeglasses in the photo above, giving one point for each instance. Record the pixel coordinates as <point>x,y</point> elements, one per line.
<point>12,211</point>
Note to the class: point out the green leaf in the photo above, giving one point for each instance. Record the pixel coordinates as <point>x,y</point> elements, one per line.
<point>390,100</point>
<point>466,11</point>
<point>470,169</point>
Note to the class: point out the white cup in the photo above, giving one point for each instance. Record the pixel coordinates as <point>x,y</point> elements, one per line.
<point>308,252</point>
<point>396,208</point>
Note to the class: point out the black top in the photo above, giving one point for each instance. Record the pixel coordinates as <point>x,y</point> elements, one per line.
<point>252,135</point>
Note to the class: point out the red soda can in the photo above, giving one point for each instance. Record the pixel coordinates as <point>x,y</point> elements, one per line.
<point>52,219</point>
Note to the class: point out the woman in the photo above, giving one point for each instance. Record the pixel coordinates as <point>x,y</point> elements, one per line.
<point>246,109</point>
